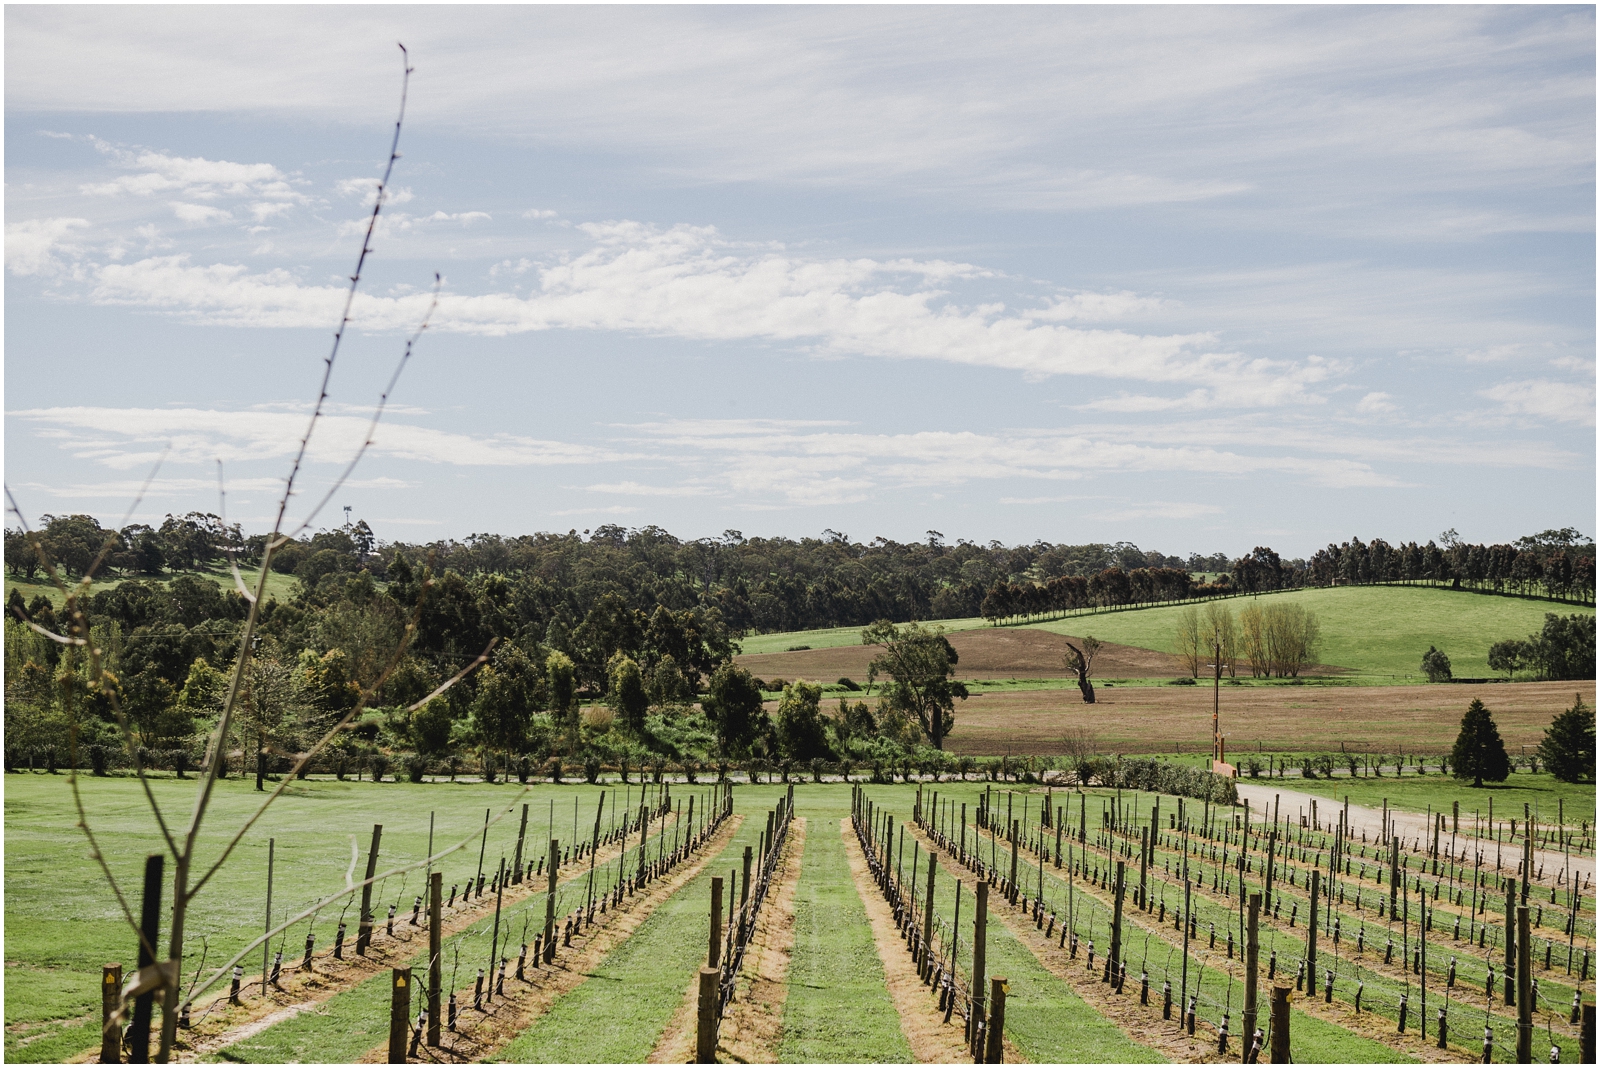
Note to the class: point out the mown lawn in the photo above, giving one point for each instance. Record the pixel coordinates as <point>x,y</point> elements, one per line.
<point>838,1007</point>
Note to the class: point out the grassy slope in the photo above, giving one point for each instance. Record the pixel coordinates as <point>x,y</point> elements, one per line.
<point>61,922</point>
<point>1370,630</point>
<point>618,1015</point>
<point>838,1008</point>
<point>1379,631</point>
<point>283,587</point>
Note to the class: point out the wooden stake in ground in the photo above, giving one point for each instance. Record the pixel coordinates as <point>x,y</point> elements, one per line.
<point>994,1050</point>
<point>1252,964</point>
<point>110,1004</point>
<point>550,902</point>
<point>1524,988</point>
<point>272,844</point>
<point>399,1014</point>
<point>705,1046</point>
<point>980,931</point>
<point>716,921</point>
<point>1311,934</point>
<point>149,932</point>
<point>364,931</point>
<point>516,863</point>
<point>1280,1023</point>
<point>435,964</point>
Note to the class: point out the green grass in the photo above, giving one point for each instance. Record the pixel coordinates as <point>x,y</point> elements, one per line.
<point>62,923</point>
<point>1435,792</point>
<point>283,587</point>
<point>617,1015</point>
<point>1379,631</point>
<point>838,1007</point>
<point>832,637</point>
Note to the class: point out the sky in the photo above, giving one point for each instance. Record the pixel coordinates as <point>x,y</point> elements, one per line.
<point>1197,278</point>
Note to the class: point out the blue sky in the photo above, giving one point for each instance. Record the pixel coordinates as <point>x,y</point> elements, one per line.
<point>1197,278</point>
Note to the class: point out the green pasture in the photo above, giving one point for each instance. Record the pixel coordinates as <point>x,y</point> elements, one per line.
<point>283,587</point>
<point>1378,633</point>
<point>1375,631</point>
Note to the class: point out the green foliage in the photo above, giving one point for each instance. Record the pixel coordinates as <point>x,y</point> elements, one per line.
<point>800,729</point>
<point>1436,665</point>
<point>919,662</point>
<point>1479,754</point>
<point>1508,656</point>
<point>734,708</point>
<point>1564,648</point>
<point>627,693</point>
<point>1568,746</point>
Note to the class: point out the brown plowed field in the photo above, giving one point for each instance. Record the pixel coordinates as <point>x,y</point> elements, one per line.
<point>989,653</point>
<point>1151,719</point>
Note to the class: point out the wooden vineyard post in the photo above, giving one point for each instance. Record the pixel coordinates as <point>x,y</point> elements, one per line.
<point>1119,892</point>
<point>550,902</point>
<point>149,933</point>
<point>1586,1035</point>
<point>1011,886</point>
<point>1183,990</point>
<point>1272,846</point>
<point>980,928</point>
<point>705,1044</point>
<point>399,1014</point>
<point>1144,867</point>
<point>1311,934</point>
<point>1280,1023</point>
<point>994,1048</point>
<point>1394,876</point>
<point>744,879</point>
<point>716,921</point>
<point>435,963</point>
<point>110,1002</point>
<point>1524,988</point>
<point>272,845</point>
<point>1252,964</point>
<point>522,832</point>
<point>1511,944</point>
<point>364,931</point>
<point>927,918</point>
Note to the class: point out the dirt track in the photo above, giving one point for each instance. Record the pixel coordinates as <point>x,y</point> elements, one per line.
<point>1144,719</point>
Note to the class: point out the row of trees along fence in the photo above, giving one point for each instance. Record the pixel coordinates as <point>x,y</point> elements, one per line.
<point>729,939</point>
<point>1555,564</point>
<point>650,840</point>
<point>1309,876</point>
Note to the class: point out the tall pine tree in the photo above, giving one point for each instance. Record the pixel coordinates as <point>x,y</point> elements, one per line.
<point>1479,754</point>
<point>1568,746</point>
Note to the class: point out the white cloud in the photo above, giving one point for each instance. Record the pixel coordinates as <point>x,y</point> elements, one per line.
<point>195,177</point>
<point>200,214</point>
<point>465,218</point>
<point>1099,307</point>
<point>122,438</point>
<point>639,489</point>
<point>613,509</point>
<point>1160,510</point>
<point>687,282</point>
<point>540,213</point>
<point>31,245</point>
<point>1376,402</point>
<point>1195,399</point>
<point>1564,402</point>
<point>367,189</point>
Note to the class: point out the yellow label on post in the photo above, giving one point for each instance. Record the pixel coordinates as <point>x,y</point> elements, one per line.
<point>111,979</point>
<point>399,980</point>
